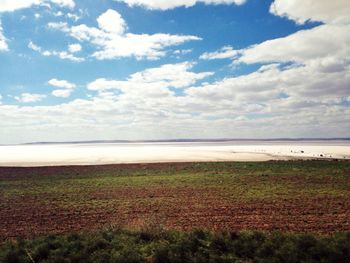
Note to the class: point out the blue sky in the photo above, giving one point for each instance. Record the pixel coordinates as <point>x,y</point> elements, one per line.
<point>137,69</point>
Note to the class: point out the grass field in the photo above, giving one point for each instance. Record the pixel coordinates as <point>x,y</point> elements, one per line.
<point>290,196</point>
<point>121,246</point>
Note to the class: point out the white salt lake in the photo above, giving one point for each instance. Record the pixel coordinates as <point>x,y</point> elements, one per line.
<point>150,152</point>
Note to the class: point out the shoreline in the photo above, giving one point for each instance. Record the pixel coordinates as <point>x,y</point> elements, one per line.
<point>97,165</point>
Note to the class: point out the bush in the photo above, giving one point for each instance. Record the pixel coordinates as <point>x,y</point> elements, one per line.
<point>171,247</point>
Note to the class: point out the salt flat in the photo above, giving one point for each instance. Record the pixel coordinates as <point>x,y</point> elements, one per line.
<point>113,153</point>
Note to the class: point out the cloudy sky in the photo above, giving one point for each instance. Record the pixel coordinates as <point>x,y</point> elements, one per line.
<point>159,69</point>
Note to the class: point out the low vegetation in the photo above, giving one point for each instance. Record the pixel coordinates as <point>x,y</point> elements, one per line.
<point>172,246</point>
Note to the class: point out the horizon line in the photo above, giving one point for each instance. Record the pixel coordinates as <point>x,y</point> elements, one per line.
<point>185,140</point>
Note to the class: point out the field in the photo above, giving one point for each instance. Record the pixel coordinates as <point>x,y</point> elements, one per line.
<point>290,196</point>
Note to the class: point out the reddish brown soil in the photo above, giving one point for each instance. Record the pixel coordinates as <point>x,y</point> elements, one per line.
<point>181,208</point>
<point>178,208</point>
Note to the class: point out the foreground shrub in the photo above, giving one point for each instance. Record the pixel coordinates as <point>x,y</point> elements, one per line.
<point>171,246</point>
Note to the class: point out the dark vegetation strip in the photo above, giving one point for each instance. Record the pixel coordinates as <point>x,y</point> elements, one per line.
<point>85,171</point>
<point>172,246</point>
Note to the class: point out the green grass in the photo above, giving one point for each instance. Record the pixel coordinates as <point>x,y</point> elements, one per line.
<point>170,246</point>
<point>244,180</point>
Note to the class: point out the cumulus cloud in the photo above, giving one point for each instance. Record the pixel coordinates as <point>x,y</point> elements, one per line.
<point>176,75</point>
<point>269,83</point>
<point>74,17</point>
<point>73,48</point>
<point>3,40</point>
<point>64,3</point>
<point>165,4</point>
<point>182,51</point>
<point>13,5</point>
<point>61,84</point>
<point>111,21</point>
<point>155,79</point>
<point>325,42</point>
<point>63,93</point>
<point>334,12</point>
<point>224,52</point>
<point>60,54</point>
<point>66,88</point>
<point>66,55</point>
<point>111,40</point>
<point>34,47</point>
<point>30,97</point>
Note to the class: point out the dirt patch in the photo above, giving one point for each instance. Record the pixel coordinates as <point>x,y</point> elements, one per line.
<point>182,208</point>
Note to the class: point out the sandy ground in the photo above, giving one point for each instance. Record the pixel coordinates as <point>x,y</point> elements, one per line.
<point>81,154</point>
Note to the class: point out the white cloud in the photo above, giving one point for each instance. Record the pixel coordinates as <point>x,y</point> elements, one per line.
<point>3,41</point>
<point>103,84</point>
<point>68,56</point>
<point>58,14</point>
<point>111,21</point>
<point>61,84</point>
<point>336,11</point>
<point>64,3</point>
<point>325,42</point>
<point>34,47</point>
<point>176,75</point>
<point>63,93</point>
<point>166,4</point>
<point>60,54</point>
<point>224,52</point>
<point>156,79</point>
<point>73,48</point>
<point>183,51</point>
<point>112,42</point>
<point>140,46</point>
<point>72,16</point>
<point>267,84</point>
<point>30,97</point>
<point>66,88</point>
<point>12,5</point>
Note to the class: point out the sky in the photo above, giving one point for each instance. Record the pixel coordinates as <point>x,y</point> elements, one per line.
<point>73,70</point>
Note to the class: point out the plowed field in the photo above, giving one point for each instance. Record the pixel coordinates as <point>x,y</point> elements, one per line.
<point>292,196</point>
